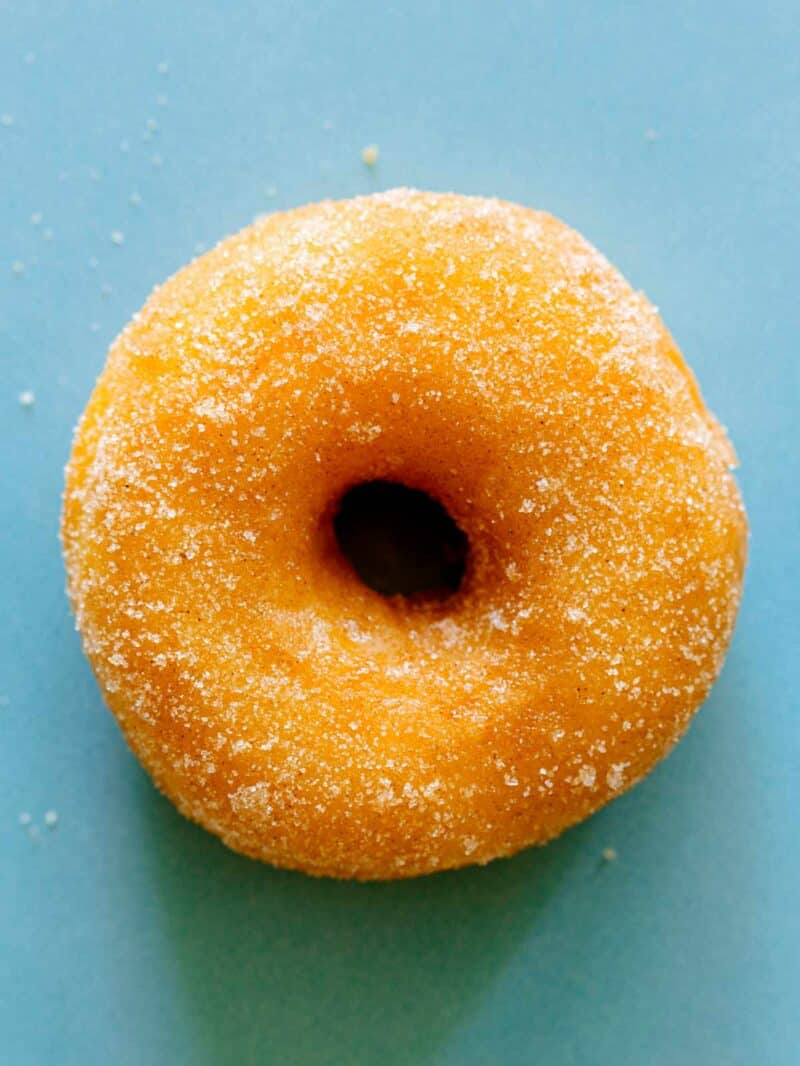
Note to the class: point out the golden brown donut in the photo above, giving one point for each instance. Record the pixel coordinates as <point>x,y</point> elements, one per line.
<point>481,353</point>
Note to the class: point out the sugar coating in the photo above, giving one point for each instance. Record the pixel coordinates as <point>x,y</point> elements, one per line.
<point>488,355</point>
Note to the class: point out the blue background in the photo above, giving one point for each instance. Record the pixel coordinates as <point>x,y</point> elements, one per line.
<point>670,135</point>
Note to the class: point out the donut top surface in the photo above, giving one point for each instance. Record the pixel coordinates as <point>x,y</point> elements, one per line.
<point>479,352</point>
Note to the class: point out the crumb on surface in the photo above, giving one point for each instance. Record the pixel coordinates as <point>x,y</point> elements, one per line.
<point>610,855</point>
<point>370,155</point>
<point>27,398</point>
<point>51,819</point>
<point>117,237</point>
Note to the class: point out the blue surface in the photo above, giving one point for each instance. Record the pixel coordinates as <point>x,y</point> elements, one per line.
<point>670,135</point>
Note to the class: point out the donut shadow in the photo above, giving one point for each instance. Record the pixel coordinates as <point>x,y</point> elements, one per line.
<point>277,966</point>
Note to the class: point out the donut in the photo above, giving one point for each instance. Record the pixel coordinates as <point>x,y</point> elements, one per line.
<point>398,535</point>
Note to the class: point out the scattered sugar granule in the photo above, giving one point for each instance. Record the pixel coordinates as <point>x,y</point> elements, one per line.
<point>151,125</point>
<point>36,218</point>
<point>27,398</point>
<point>370,154</point>
<point>51,819</point>
<point>6,120</point>
<point>117,237</point>
<point>651,135</point>
<point>18,268</point>
<point>25,818</point>
<point>610,855</point>
<point>163,68</point>
<point>271,192</point>
<point>587,775</point>
<point>615,778</point>
<point>135,199</point>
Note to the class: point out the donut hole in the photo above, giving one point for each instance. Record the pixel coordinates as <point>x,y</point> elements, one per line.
<point>400,541</point>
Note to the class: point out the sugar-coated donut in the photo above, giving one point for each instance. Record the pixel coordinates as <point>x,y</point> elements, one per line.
<point>487,356</point>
